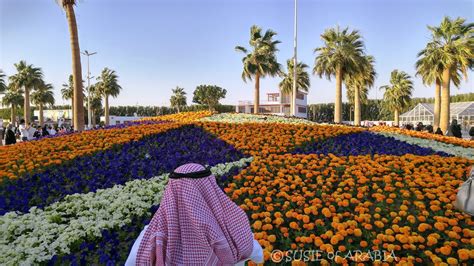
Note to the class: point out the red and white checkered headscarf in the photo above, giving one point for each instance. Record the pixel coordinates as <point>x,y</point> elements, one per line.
<point>196,224</point>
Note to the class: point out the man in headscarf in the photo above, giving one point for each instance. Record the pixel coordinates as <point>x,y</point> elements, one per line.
<point>196,224</point>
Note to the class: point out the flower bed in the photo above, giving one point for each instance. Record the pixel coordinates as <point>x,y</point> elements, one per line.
<point>264,139</point>
<point>348,198</point>
<point>390,203</point>
<point>364,143</point>
<point>32,156</point>
<point>424,135</point>
<point>40,234</point>
<point>148,157</point>
<point>435,145</point>
<point>180,117</point>
<point>252,118</point>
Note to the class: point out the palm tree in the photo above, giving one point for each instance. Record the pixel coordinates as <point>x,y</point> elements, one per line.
<point>13,98</point>
<point>28,77</point>
<point>455,42</point>
<point>340,56</point>
<point>67,92</point>
<point>42,96</point>
<point>178,99</point>
<point>78,112</point>
<point>3,85</point>
<point>108,86</point>
<point>261,61</point>
<point>397,95</point>
<point>302,79</point>
<point>430,68</point>
<point>358,85</point>
<point>96,101</point>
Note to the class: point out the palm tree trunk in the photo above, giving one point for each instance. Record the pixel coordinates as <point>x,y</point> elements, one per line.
<point>72,109</point>
<point>93,118</point>
<point>356,107</point>
<point>396,117</point>
<point>13,114</point>
<point>437,104</point>
<point>106,99</point>
<point>40,107</point>
<point>78,115</point>
<point>444,112</point>
<point>26,106</point>
<point>338,100</point>
<point>256,99</point>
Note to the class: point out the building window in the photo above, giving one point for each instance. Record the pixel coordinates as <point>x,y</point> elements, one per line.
<point>301,109</point>
<point>300,96</point>
<point>241,109</point>
<point>273,97</point>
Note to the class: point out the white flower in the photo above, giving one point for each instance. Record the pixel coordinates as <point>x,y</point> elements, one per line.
<point>37,236</point>
<point>433,144</point>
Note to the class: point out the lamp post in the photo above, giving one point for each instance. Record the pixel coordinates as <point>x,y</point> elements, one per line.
<point>293,97</point>
<point>89,108</point>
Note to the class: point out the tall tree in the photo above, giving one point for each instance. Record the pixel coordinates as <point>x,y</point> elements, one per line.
<point>340,56</point>
<point>78,112</point>
<point>397,95</point>
<point>27,78</point>
<point>96,102</point>
<point>209,95</point>
<point>107,85</point>
<point>67,92</point>
<point>42,96</point>
<point>3,84</point>
<point>178,99</point>
<point>430,67</point>
<point>454,39</point>
<point>302,79</point>
<point>358,85</point>
<point>13,98</point>
<point>261,61</point>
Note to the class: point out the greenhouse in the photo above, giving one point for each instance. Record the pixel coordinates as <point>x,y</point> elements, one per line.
<point>424,112</point>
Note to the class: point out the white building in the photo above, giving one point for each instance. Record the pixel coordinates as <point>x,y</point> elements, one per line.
<point>54,115</point>
<point>277,104</point>
<point>117,120</point>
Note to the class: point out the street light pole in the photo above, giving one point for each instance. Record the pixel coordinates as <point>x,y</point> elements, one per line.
<point>89,109</point>
<point>295,63</point>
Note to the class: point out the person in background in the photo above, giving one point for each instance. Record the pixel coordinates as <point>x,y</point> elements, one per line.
<point>2,135</point>
<point>419,127</point>
<point>24,134</point>
<point>439,131</point>
<point>456,129</point>
<point>196,224</point>
<point>37,133</point>
<point>471,132</point>
<point>45,131</point>
<point>10,137</point>
<point>51,131</point>
<point>429,128</point>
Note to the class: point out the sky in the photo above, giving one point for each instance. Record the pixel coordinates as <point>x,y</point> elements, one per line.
<point>156,45</point>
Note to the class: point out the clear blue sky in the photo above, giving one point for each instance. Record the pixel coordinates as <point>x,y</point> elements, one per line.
<point>155,45</point>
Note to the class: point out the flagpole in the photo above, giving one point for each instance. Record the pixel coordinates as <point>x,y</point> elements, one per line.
<point>295,62</point>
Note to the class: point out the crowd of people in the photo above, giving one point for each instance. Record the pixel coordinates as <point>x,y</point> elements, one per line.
<point>454,129</point>
<point>12,134</point>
